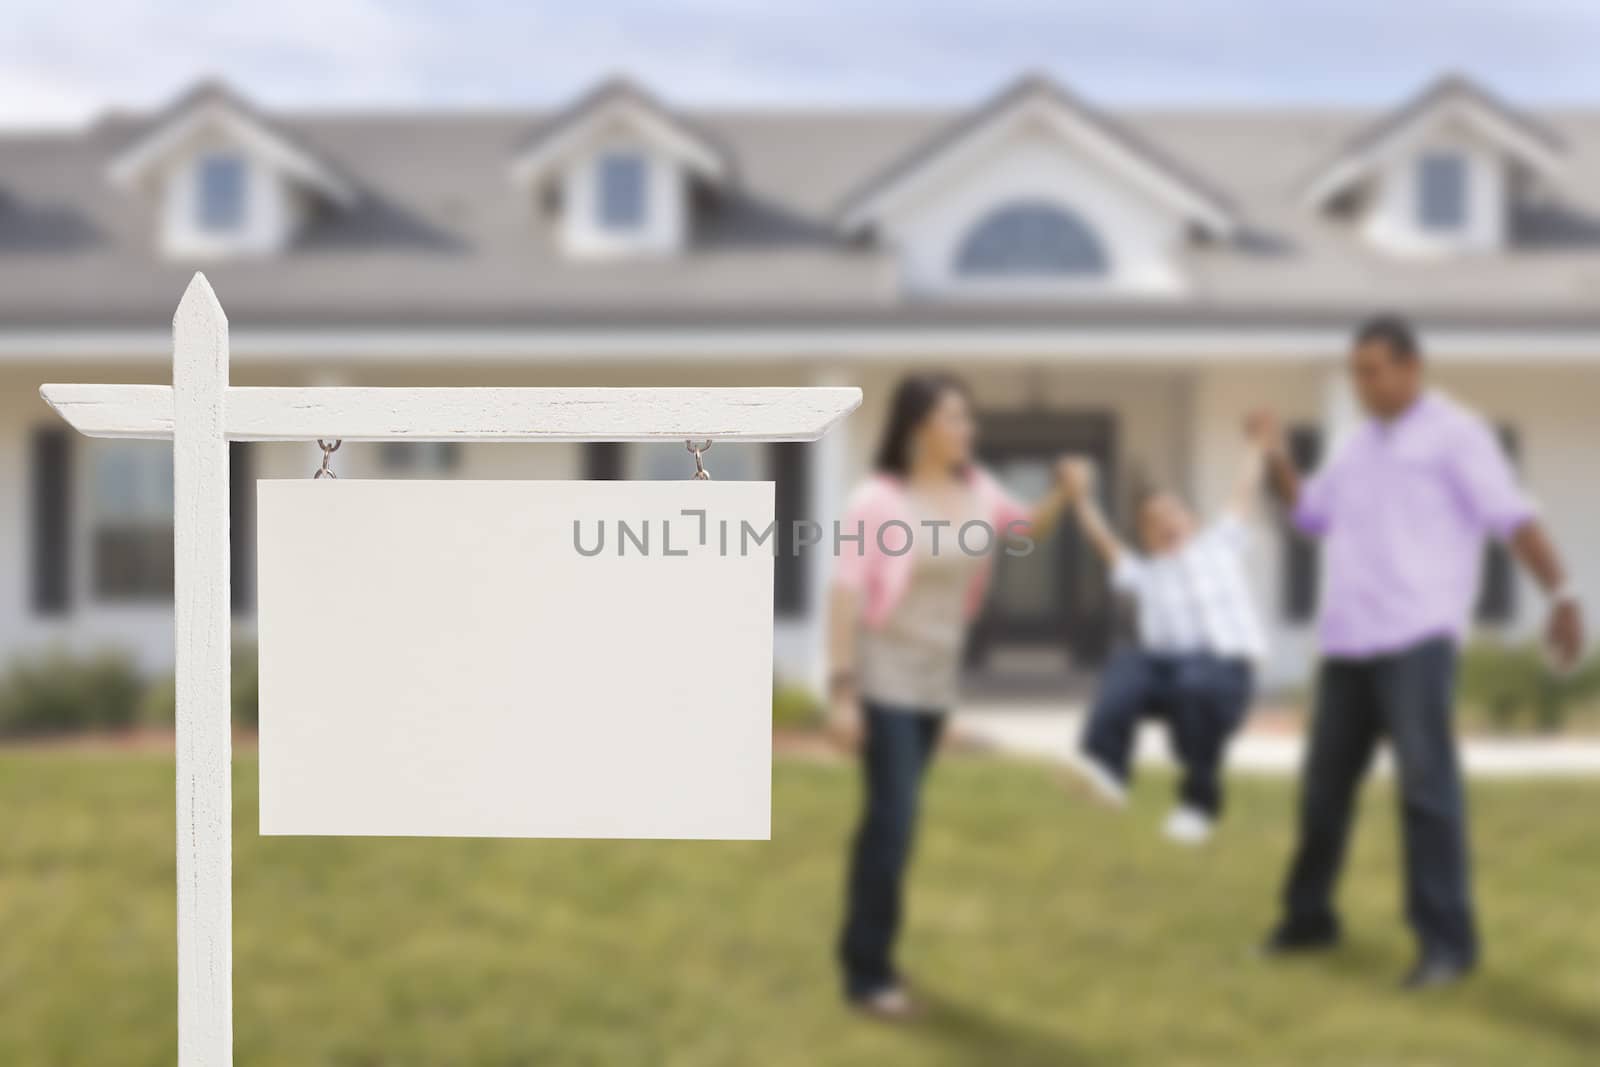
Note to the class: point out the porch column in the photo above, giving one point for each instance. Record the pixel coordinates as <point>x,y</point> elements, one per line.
<point>830,473</point>
<point>1340,411</point>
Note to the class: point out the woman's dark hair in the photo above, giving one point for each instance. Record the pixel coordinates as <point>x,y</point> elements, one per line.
<point>914,398</point>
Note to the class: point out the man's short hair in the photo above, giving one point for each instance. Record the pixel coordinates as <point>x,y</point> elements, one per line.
<point>1394,333</point>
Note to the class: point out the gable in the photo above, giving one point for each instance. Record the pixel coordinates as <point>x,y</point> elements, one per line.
<point>1038,105</point>
<point>1030,212</point>
<point>620,111</point>
<point>211,116</point>
<point>226,180</point>
<point>1441,175</point>
<point>1452,109</point>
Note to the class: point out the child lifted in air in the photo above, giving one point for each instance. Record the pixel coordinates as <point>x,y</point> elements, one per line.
<point>1199,639</point>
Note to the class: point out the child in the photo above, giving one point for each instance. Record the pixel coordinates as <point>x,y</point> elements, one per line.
<point>1199,638</point>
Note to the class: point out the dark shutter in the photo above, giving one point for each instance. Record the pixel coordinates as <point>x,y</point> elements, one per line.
<point>50,529</point>
<point>1497,590</point>
<point>790,463</point>
<point>1302,558</point>
<point>602,461</point>
<point>242,525</point>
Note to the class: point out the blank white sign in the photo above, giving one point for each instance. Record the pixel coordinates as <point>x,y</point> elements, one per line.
<point>440,659</point>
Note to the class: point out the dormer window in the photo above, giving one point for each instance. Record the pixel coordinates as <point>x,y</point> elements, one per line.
<point>1441,192</point>
<point>220,193</point>
<point>225,180</point>
<point>1441,175</point>
<point>1031,239</point>
<point>626,173</point>
<point>620,196</point>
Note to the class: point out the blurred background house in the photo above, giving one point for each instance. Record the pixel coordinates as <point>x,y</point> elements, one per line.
<point>1125,284</point>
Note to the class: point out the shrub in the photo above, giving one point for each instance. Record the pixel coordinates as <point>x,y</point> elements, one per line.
<point>1513,686</point>
<point>246,694</point>
<point>159,706</point>
<point>62,691</point>
<point>794,707</point>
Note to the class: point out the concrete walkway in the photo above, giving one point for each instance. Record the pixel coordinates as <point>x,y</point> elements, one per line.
<point>1050,732</point>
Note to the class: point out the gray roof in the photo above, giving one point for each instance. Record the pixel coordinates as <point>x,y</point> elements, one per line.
<point>441,236</point>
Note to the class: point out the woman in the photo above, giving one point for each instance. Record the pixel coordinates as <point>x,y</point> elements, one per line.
<point>930,522</point>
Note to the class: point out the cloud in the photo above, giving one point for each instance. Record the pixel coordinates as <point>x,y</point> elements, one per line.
<point>38,97</point>
<point>62,60</point>
<point>70,62</point>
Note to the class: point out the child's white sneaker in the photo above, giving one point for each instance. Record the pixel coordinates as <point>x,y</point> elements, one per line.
<point>1102,781</point>
<point>1189,826</point>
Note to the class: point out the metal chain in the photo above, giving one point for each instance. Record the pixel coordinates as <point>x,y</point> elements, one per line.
<point>700,472</point>
<point>328,450</point>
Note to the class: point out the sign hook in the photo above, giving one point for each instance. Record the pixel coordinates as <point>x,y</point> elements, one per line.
<point>700,472</point>
<point>328,450</point>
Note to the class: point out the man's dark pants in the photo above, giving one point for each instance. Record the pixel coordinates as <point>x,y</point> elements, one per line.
<point>1203,699</point>
<point>1408,697</point>
<point>896,750</point>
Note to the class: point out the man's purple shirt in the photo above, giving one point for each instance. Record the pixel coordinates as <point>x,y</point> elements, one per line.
<point>1403,509</point>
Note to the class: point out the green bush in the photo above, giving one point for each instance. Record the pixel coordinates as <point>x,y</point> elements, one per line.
<point>1514,688</point>
<point>62,691</point>
<point>159,706</point>
<point>794,707</point>
<point>246,687</point>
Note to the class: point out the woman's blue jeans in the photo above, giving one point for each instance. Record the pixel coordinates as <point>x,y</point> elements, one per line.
<point>897,746</point>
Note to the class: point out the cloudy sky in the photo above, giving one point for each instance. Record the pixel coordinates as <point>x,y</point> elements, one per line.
<point>64,60</point>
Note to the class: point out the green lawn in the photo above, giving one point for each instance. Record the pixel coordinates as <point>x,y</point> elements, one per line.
<point>1043,931</point>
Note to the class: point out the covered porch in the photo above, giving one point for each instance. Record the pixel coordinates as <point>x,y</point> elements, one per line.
<point>85,538</point>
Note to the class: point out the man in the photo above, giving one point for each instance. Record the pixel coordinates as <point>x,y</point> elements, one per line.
<point>1199,639</point>
<point>1403,508</point>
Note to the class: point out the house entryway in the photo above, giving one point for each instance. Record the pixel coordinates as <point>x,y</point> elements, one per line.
<point>1049,617</point>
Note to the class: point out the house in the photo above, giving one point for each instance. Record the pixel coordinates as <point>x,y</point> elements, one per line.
<point>1122,284</point>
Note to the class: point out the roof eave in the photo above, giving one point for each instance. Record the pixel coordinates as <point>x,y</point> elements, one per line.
<point>684,144</point>
<point>865,207</point>
<point>1536,149</point>
<point>143,156</point>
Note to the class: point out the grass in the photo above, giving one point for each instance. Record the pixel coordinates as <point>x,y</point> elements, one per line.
<point>1043,931</point>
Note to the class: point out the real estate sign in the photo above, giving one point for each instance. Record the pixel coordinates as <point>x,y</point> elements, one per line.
<point>516,659</point>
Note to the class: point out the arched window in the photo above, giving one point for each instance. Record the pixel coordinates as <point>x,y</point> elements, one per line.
<point>1030,239</point>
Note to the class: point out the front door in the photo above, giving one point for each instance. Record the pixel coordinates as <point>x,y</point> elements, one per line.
<point>1050,609</point>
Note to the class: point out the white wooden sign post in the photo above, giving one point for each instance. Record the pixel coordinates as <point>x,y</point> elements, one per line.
<point>200,413</point>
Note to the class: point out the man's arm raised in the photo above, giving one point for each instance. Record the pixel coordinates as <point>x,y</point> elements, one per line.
<point>1264,431</point>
